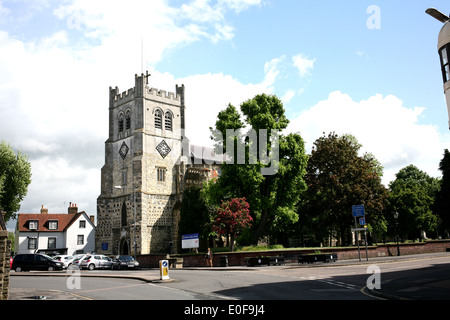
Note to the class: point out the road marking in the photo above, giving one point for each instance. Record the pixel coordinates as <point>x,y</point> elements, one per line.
<point>339,284</point>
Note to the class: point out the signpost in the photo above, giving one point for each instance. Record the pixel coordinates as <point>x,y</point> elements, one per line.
<point>358,212</point>
<point>164,269</point>
<point>189,241</point>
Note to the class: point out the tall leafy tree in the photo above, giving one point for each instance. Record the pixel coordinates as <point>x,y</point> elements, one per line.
<point>194,214</point>
<point>412,195</point>
<point>15,176</point>
<point>337,179</point>
<point>442,202</point>
<point>232,218</point>
<point>273,198</point>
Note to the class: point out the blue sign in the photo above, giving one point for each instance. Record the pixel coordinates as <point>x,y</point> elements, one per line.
<point>104,246</point>
<point>358,211</point>
<point>189,236</point>
<point>362,221</point>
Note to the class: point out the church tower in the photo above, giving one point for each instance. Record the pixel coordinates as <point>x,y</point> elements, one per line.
<point>140,180</point>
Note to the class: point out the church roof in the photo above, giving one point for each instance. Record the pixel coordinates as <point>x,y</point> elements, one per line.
<point>206,153</point>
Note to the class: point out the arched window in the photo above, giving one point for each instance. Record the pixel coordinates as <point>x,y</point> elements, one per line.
<point>124,214</point>
<point>121,122</point>
<point>168,121</point>
<point>158,119</point>
<point>128,120</point>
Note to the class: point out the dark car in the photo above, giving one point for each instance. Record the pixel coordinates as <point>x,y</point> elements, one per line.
<point>35,261</point>
<point>127,262</point>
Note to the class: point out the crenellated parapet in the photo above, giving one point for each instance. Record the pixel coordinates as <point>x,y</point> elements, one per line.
<point>140,90</point>
<point>117,98</point>
<point>161,94</point>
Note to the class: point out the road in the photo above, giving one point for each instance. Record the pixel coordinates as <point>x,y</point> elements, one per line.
<point>419,279</point>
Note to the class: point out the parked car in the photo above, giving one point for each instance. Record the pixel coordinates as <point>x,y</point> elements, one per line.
<point>96,261</point>
<point>35,261</point>
<point>127,262</point>
<point>78,258</point>
<point>67,260</point>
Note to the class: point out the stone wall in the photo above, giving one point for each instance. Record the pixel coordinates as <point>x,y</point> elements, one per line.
<point>5,252</point>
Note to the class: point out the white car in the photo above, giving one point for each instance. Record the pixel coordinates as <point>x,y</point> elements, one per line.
<point>78,259</point>
<point>65,259</point>
<point>96,261</point>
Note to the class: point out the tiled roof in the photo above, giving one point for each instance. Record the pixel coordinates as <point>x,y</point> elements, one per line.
<point>64,221</point>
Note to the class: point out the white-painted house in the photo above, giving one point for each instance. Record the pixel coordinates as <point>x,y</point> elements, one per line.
<point>63,233</point>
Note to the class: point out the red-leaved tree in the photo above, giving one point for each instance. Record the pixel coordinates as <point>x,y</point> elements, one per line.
<point>232,217</point>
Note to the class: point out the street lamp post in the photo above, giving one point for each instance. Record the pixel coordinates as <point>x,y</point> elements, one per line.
<point>134,217</point>
<point>396,232</point>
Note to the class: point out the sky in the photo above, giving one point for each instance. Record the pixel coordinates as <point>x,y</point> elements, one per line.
<point>366,68</point>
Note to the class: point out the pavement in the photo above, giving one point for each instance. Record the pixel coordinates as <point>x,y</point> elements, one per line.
<point>390,291</point>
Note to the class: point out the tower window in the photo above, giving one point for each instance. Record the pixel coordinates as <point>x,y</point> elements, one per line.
<point>121,123</point>
<point>161,174</point>
<point>168,121</point>
<point>128,120</point>
<point>124,215</point>
<point>158,119</point>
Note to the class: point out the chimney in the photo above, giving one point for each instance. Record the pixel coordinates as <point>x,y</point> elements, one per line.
<point>73,209</point>
<point>44,210</point>
<point>92,219</point>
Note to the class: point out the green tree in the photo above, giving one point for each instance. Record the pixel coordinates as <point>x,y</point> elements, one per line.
<point>337,179</point>
<point>15,176</point>
<point>442,202</point>
<point>273,198</point>
<point>232,218</point>
<point>194,214</point>
<point>412,195</point>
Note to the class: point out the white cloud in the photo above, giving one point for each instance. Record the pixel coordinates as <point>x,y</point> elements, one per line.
<point>303,64</point>
<point>271,70</point>
<point>54,90</point>
<point>288,96</point>
<point>208,94</point>
<point>383,125</point>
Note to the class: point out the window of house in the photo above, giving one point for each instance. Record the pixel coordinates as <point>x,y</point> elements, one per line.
<point>82,224</point>
<point>53,225</point>
<point>80,239</point>
<point>51,243</point>
<point>168,121</point>
<point>158,119</point>
<point>32,224</point>
<point>161,174</point>
<point>32,243</point>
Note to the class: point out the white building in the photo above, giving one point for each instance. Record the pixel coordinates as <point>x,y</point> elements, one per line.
<point>66,233</point>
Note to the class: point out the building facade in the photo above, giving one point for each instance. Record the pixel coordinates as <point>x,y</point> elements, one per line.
<point>62,233</point>
<point>140,186</point>
<point>147,158</point>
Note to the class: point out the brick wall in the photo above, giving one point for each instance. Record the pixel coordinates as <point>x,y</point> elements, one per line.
<point>5,252</point>
<point>238,258</point>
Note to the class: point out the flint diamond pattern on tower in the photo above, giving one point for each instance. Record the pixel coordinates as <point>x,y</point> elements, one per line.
<point>163,149</point>
<point>123,151</point>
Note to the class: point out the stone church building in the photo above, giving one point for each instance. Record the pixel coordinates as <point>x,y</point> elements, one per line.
<point>148,164</point>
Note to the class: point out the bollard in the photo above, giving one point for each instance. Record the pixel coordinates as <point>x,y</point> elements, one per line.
<point>164,269</point>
